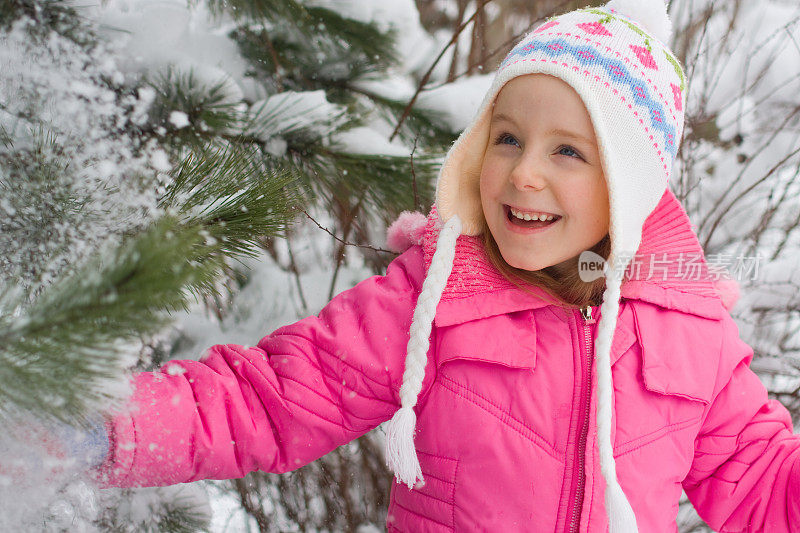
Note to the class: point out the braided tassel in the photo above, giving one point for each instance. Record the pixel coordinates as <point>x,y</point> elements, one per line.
<point>401,456</point>
<point>621,517</point>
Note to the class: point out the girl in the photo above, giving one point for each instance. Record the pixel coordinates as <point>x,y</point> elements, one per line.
<point>531,385</point>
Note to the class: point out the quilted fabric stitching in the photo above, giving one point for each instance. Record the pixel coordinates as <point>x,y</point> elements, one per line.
<point>534,437</point>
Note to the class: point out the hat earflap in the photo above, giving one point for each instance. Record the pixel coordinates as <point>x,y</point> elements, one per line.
<point>401,456</point>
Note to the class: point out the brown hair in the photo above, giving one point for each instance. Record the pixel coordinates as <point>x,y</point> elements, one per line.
<point>566,287</point>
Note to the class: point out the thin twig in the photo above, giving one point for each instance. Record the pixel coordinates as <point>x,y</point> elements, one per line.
<point>252,508</point>
<point>427,75</point>
<point>478,36</point>
<point>274,54</point>
<point>414,176</point>
<point>346,243</point>
<point>707,219</point>
<point>742,194</point>
<point>462,8</point>
<point>502,47</point>
<point>293,268</point>
<point>348,226</point>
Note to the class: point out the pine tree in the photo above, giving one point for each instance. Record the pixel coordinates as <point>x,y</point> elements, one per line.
<point>143,194</point>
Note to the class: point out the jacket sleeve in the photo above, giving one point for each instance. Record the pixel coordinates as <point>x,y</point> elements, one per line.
<point>299,393</point>
<point>745,474</point>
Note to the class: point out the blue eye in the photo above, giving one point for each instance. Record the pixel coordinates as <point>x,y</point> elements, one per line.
<point>503,137</point>
<point>571,151</point>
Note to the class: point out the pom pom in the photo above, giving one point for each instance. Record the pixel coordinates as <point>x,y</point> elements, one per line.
<point>406,231</point>
<point>728,290</point>
<point>401,457</point>
<point>620,513</point>
<point>649,14</point>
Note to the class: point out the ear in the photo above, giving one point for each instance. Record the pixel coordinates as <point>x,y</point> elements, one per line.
<point>406,231</point>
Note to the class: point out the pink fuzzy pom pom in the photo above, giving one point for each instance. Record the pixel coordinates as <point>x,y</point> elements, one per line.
<point>406,231</point>
<point>728,290</point>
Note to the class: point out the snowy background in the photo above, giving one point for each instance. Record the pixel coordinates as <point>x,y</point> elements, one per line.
<point>738,177</point>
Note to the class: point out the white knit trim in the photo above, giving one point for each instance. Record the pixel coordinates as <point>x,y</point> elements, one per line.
<point>621,517</point>
<point>401,456</point>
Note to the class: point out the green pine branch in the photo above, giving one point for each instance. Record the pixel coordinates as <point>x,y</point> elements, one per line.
<point>232,193</point>
<point>46,15</point>
<point>312,26</point>
<point>40,201</point>
<point>282,120</point>
<point>316,50</point>
<point>384,184</point>
<point>176,516</point>
<point>208,107</point>
<point>363,38</point>
<point>74,336</point>
<point>173,514</point>
<point>258,9</point>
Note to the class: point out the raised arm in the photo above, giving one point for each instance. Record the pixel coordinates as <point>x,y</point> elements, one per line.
<point>300,392</point>
<point>746,470</point>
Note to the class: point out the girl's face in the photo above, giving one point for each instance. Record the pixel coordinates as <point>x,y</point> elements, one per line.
<point>542,159</point>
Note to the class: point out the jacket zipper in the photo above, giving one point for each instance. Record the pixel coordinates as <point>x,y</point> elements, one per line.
<point>586,313</point>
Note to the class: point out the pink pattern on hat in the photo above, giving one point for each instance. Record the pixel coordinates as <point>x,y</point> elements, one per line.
<point>595,28</point>
<point>645,57</point>
<point>677,95</point>
<point>546,26</point>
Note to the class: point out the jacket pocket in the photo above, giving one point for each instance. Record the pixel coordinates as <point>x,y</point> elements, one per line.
<point>664,381</point>
<point>429,506</point>
<point>508,340</point>
<point>680,352</point>
<point>486,377</point>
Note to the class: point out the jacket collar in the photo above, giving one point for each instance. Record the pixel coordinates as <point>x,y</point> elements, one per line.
<point>669,270</point>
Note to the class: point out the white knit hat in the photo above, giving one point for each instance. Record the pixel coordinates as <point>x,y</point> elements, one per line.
<point>633,87</point>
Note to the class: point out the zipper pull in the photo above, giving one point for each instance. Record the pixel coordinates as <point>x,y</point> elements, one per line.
<point>587,314</point>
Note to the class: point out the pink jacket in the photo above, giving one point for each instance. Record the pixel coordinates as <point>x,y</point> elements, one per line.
<point>506,432</point>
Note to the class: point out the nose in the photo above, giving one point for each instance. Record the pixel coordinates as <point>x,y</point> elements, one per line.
<point>528,174</point>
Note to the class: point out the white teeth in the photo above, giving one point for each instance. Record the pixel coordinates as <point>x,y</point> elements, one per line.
<point>528,216</point>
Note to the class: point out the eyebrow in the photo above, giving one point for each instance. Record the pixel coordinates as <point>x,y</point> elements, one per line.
<point>500,117</point>
<point>570,135</point>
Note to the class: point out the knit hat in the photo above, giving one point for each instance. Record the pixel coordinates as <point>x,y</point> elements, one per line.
<point>633,87</point>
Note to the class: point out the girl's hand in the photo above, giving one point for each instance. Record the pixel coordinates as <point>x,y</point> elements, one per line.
<point>36,453</point>
<point>86,447</point>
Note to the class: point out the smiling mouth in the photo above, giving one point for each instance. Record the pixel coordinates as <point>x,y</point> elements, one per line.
<point>517,221</point>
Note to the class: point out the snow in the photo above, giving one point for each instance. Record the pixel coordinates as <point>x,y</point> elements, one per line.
<point>395,87</point>
<point>61,81</point>
<point>400,15</point>
<point>179,119</point>
<point>74,130</point>
<point>158,33</point>
<point>458,101</point>
<point>291,111</point>
<point>363,140</point>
